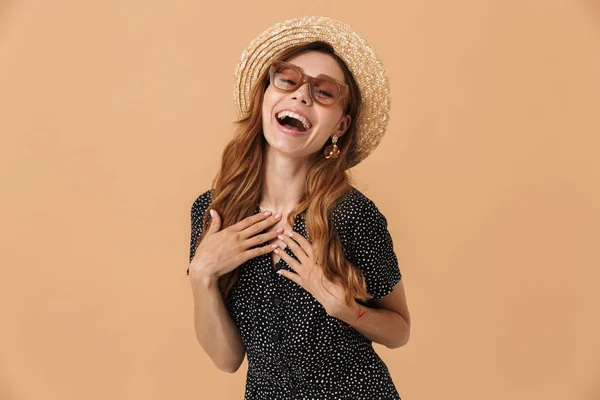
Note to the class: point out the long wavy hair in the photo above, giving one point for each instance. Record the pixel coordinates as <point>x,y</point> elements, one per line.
<point>238,184</point>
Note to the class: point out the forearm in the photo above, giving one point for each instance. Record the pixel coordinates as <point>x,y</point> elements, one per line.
<point>379,325</point>
<point>216,331</point>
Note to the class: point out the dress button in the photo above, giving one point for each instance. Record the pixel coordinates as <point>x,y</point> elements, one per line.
<point>277,302</point>
<point>275,337</point>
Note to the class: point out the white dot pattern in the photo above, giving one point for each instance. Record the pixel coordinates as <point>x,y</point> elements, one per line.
<point>295,349</point>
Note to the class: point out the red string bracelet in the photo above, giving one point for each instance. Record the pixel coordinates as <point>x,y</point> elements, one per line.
<point>360,314</point>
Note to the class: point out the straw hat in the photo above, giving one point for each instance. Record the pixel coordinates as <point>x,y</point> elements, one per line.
<point>373,114</point>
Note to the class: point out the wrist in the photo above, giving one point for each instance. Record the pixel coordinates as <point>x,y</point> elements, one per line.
<point>204,277</point>
<point>347,312</point>
<point>204,288</point>
<point>208,281</point>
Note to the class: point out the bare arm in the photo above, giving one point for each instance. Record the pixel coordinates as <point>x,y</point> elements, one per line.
<point>387,323</point>
<point>216,331</point>
<point>220,252</point>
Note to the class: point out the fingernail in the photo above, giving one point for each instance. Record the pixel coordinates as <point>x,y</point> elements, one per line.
<point>267,213</point>
<point>274,245</point>
<point>280,237</point>
<point>211,213</point>
<point>290,233</point>
<point>280,272</point>
<point>278,215</point>
<point>280,230</point>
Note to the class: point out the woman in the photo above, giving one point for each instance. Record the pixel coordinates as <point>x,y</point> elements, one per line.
<point>304,308</point>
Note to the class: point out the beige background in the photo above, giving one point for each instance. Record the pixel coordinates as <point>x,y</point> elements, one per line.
<point>113,116</point>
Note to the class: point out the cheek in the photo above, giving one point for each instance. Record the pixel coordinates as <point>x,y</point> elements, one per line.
<point>266,111</point>
<point>268,103</point>
<point>270,95</point>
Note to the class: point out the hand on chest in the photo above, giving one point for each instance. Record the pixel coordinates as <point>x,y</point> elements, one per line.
<point>286,228</point>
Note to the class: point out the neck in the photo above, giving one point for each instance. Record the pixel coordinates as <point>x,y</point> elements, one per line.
<point>284,181</point>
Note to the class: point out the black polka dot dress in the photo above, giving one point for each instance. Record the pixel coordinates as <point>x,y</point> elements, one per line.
<point>295,349</point>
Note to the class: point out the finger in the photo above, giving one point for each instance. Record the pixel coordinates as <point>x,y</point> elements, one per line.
<point>258,223</point>
<point>251,220</point>
<point>294,246</point>
<point>291,276</point>
<point>215,222</point>
<point>258,251</point>
<point>302,241</point>
<point>259,239</point>
<point>292,262</point>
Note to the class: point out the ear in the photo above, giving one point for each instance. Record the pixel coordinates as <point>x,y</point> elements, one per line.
<point>343,125</point>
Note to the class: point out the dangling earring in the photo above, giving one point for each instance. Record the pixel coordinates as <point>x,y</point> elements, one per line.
<point>332,151</point>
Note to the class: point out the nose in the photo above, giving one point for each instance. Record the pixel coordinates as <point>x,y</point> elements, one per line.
<point>303,93</point>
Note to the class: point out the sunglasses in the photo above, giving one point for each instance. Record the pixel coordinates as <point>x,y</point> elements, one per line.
<point>287,77</point>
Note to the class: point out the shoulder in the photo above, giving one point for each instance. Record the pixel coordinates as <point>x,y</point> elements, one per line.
<point>353,204</point>
<point>355,211</point>
<point>350,203</point>
<point>202,202</point>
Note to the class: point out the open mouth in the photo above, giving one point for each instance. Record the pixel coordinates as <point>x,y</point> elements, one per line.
<point>291,123</point>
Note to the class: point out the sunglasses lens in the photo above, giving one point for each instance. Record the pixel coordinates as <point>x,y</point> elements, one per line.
<point>287,79</point>
<point>326,92</point>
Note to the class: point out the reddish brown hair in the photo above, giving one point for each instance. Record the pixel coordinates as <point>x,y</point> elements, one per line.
<point>239,182</point>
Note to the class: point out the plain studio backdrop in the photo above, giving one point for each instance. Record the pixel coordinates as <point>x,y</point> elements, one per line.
<point>113,118</point>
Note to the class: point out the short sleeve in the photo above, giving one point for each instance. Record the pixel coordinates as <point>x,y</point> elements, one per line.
<point>367,243</point>
<point>198,210</point>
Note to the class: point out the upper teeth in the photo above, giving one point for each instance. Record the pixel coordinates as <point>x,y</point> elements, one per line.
<point>292,114</point>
